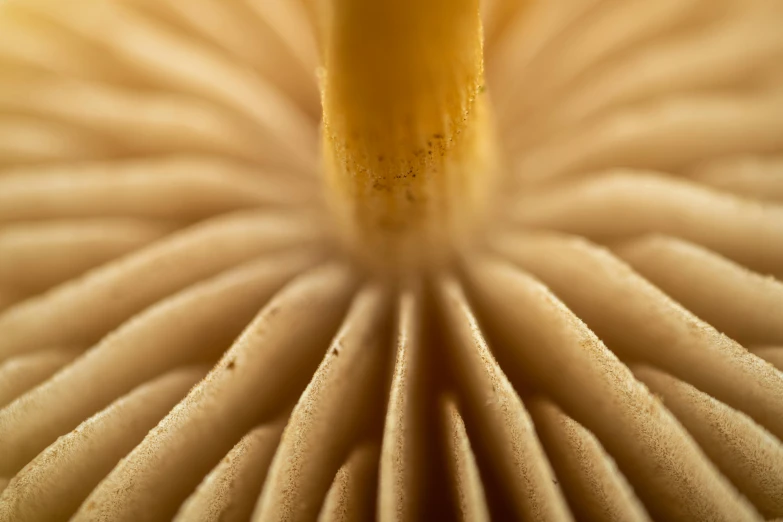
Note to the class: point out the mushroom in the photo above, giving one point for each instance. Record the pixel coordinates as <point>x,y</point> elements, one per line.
<point>523,262</point>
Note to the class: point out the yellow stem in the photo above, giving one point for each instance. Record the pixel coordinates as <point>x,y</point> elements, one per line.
<point>407,140</point>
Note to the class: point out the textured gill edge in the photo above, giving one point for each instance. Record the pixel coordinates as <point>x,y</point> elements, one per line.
<point>52,485</point>
<point>181,188</point>
<point>594,486</point>
<point>229,492</point>
<point>468,491</point>
<point>85,309</point>
<point>38,255</point>
<point>622,204</point>
<point>195,325</point>
<point>640,322</point>
<point>351,497</point>
<point>495,415</point>
<point>269,361</point>
<point>335,409</point>
<point>401,474</point>
<point>668,134</point>
<point>551,349</point>
<point>745,452</point>
<point>742,304</point>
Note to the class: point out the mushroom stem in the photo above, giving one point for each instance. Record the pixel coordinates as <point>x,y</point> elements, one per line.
<point>408,143</point>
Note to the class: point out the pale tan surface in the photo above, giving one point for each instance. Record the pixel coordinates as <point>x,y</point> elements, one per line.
<point>35,256</point>
<point>640,322</point>
<point>26,140</point>
<point>623,26</point>
<point>83,310</point>
<point>740,303</point>
<point>749,456</point>
<point>596,489</point>
<point>759,177</point>
<point>690,128</point>
<point>19,374</point>
<point>186,64</point>
<point>556,352</point>
<point>138,122</point>
<point>332,410</point>
<point>53,485</point>
<point>181,188</point>
<point>471,504</point>
<point>206,423</point>
<point>228,493</point>
<point>622,204</point>
<point>772,354</point>
<point>207,317</point>
<point>402,472</point>
<point>504,426</point>
<point>351,496</point>
<point>734,49</point>
<point>8,297</point>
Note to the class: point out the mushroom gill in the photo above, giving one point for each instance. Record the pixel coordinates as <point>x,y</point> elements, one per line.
<point>524,263</point>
